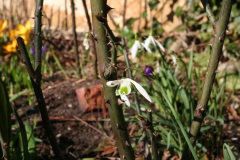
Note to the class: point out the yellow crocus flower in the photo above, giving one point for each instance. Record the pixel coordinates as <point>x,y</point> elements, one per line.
<point>3,25</point>
<point>24,31</point>
<point>10,47</point>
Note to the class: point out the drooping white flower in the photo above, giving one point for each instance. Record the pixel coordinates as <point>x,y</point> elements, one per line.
<point>174,60</point>
<point>124,87</point>
<point>152,40</point>
<point>137,47</point>
<point>85,42</point>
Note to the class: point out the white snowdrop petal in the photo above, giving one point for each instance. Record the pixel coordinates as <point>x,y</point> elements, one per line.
<point>147,48</point>
<point>133,51</point>
<point>125,99</point>
<point>147,42</point>
<point>152,40</point>
<point>113,83</point>
<point>174,60</point>
<point>140,89</point>
<point>160,45</point>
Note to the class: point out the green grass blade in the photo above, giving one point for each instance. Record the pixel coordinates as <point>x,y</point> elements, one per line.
<point>18,95</point>
<point>159,87</point>
<point>31,141</point>
<point>227,153</point>
<point>23,136</point>
<point>59,65</point>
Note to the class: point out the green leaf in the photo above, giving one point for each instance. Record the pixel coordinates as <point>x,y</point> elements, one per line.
<point>227,153</point>
<point>144,14</point>
<point>199,145</point>
<point>168,139</point>
<point>18,95</point>
<point>153,4</point>
<point>31,141</point>
<point>179,11</point>
<point>23,136</point>
<point>130,21</point>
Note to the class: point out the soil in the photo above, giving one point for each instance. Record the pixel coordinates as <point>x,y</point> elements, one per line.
<point>74,137</point>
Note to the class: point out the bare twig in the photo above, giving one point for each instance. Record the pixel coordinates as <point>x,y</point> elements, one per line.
<point>84,122</point>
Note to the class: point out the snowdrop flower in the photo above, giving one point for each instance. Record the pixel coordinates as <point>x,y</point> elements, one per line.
<point>174,60</point>
<point>124,87</point>
<point>137,47</point>
<point>85,42</point>
<point>152,40</point>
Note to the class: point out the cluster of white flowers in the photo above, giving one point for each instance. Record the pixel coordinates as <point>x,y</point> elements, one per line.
<point>124,85</point>
<point>138,46</point>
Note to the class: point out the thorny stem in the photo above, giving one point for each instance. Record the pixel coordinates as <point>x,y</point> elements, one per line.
<point>5,123</point>
<point>115,110</point>
<point>202,107</point>
<point>38,41</point>
<point>41,103</point>
<point>135,97</point>
<point>25,57</point>
<point>75,40</point>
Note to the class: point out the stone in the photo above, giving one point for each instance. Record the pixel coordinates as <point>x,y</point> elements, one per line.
<point>90,98</point>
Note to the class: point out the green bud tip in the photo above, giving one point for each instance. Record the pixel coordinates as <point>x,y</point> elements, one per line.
<point>86,35</point>
<point>136,37</point>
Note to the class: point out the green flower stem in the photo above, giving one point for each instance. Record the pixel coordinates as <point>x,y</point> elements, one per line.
<point>152,136</point>
<point>41,103</point>
<point>137,65</point>
<point>202,107</point>
<point>135,97</point>
<point>94,47</point>
<point>115,110</point>
<point>75,40</point>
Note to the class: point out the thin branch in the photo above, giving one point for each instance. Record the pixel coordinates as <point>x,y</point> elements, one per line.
<point>209,11</point>
<point>75,40</point>
<point>93,128</point>
<point>202,107</point>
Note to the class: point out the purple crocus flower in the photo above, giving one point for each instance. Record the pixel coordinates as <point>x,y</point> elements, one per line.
<point>44,50</point>
<point>148,70</point>
<point>32,50</point>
